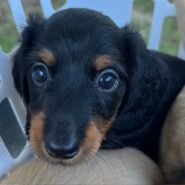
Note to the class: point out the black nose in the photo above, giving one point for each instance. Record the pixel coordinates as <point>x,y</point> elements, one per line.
<point>59,150</point>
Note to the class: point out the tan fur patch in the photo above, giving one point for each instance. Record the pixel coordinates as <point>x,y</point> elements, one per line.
<point>102,62</point>
<point>95,133</point>
<point>104,125</point>
<point>92,140</point>
<point>36,137</point>
<point>47,56</point>
<point>36,132</point>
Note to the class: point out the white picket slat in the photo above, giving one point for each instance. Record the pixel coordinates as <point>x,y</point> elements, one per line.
<point>18,14</point>
<point>120,11</point>
<point>162,9</point>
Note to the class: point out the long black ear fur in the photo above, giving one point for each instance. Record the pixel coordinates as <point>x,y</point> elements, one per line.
<point>31,32</point>
<point>133,47</point>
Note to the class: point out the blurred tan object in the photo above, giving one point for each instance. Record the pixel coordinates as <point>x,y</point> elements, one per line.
<point>125,166</point>
<point>173,142</point>
<point>180,9</point>
<point>173,134</point>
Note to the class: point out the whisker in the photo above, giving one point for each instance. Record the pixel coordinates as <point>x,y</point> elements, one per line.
<point>115,140</point>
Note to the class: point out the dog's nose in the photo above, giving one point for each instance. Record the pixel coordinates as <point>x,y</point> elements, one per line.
<point>64,151</point>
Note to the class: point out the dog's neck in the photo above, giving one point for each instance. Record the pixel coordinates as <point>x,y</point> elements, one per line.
<point>152,90</point>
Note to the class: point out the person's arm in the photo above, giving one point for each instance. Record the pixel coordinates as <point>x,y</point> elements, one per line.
<point>125,166</point>
<point>172,153</point>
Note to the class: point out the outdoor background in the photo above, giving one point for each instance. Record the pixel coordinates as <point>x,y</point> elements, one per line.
<point>141,19</point>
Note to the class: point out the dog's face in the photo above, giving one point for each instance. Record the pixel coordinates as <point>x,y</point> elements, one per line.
<point>72,73</point>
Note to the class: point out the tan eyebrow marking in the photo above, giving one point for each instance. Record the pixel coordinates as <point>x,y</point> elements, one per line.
<point>47,56</point>
<point>102,62</point>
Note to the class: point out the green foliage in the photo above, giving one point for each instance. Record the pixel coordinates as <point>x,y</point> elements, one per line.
<point>141,19</point>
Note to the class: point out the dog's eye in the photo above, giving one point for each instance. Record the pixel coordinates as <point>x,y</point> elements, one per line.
<point>108,80</point>
<point>39,73</point>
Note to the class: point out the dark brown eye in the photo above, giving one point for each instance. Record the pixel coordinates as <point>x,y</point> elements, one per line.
<point>108,80</point>
<point>40,74</point>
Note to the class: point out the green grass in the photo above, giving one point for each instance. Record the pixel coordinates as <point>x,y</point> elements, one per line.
<point>143,27</point>
<point>170,36</point>
<point>58,3</point>
<point>8,37</point>
<point>143,8</point>
<point>8,34</point>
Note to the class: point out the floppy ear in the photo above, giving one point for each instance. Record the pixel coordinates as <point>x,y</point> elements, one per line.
<point>134,51</point>
<point>133,47</point>
<point>28,37</point>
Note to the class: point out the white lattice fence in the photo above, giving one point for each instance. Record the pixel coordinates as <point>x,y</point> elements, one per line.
<point>13,146</point>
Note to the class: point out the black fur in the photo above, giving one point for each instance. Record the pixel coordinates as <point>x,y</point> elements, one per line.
<point>148,81</point>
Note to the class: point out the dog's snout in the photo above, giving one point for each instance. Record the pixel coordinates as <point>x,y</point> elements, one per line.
<point>66,150</point>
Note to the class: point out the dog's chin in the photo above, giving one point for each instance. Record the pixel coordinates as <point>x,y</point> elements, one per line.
<point>82,155</point>
<point>89,146</point>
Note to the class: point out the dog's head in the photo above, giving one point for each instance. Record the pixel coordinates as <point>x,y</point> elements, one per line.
<point>72,72</point>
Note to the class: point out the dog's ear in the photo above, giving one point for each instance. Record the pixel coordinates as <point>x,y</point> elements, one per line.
<point>30,34</point>
<point>35,25</point>
<point>133,46</point>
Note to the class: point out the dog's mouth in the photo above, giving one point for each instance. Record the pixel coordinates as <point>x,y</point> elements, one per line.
<point>70,160</point>
<point>89,146</point>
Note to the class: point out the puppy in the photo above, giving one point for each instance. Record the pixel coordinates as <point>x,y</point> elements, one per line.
<point>172,153</point>
<point>88,84</point>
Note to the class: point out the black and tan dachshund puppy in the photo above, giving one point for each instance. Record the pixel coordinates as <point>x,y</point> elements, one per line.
<point>88,84</point>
